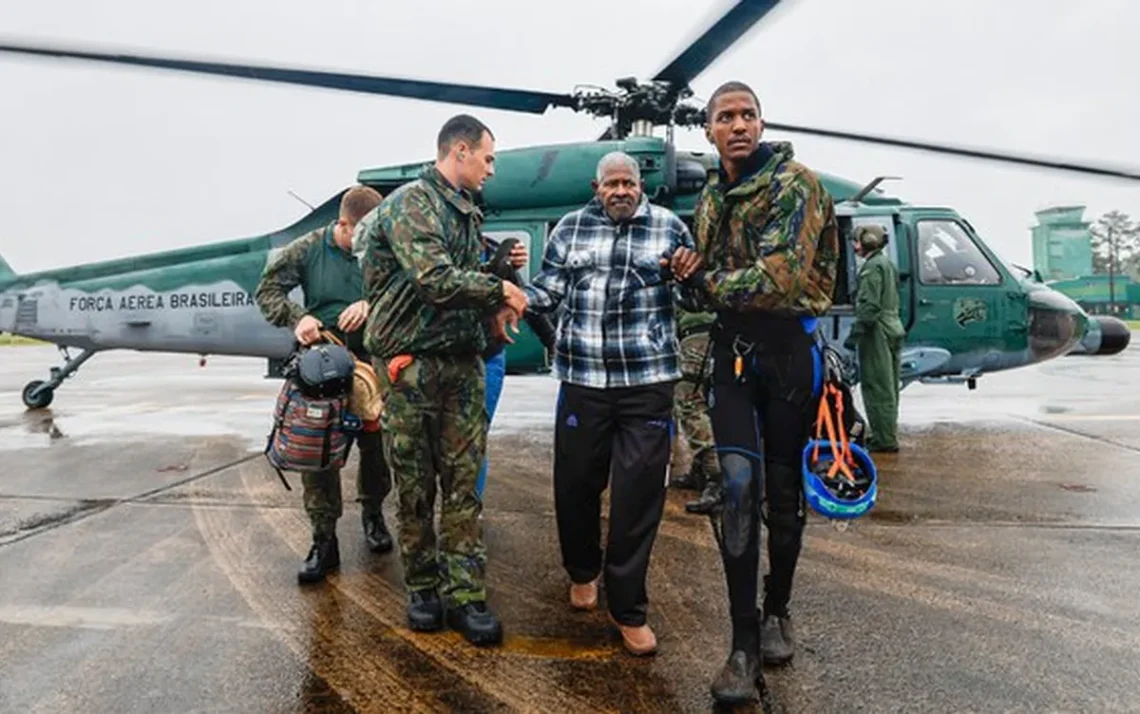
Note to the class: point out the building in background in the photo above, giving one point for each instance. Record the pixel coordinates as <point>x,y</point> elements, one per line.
<point>1063,256</point>
<point>1062,244</point>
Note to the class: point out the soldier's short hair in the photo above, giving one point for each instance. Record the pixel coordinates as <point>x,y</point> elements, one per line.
<point>358,201</point>
<point>727,87</point>
<point>461,127</point>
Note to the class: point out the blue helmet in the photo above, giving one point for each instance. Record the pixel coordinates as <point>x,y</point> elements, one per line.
<point>838,495</point>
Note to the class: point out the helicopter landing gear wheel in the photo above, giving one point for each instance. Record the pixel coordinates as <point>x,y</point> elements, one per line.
<point>38,394</point>
<point>35,397</point>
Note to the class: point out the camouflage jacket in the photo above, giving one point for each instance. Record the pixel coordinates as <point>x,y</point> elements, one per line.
<point>770,242</point>
<point>329,278</point>
<point>689,322</point>
<point>428,290</point>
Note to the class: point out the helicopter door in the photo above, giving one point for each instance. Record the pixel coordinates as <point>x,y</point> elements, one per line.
<point>961,302</point>
<point>892,250</point>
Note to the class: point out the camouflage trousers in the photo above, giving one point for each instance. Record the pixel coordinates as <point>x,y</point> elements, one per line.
<point>691,411</point>
<point>322,492</point>
<point>435,427</point>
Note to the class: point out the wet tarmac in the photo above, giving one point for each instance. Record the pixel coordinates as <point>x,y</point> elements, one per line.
<point>148,559</point>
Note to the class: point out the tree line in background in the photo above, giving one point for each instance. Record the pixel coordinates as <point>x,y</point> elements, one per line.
<point>1116,245</point>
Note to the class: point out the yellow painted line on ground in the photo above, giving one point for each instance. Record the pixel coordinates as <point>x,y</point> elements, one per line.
<point>1089,417</point>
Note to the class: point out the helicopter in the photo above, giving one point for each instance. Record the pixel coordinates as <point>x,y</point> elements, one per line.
<point>967,313</point>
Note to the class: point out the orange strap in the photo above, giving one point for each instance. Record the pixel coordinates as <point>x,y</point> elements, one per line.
<point>396,365</point>
<point>331,338</point>
<point>843,460</point>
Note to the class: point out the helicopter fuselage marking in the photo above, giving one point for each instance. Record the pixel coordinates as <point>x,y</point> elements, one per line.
<point>221,317</point>
<point>160,301</point>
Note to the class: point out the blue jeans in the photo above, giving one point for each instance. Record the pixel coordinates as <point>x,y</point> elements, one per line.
<point>496,368</point>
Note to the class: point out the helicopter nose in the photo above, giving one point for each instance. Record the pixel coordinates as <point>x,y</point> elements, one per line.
<point>1056,325</point>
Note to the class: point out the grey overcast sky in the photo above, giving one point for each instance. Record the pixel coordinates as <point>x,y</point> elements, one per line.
<point>99,162</point>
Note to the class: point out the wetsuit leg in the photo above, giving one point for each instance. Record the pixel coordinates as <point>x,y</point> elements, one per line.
<point>787,419</point>
<point>737,429</point>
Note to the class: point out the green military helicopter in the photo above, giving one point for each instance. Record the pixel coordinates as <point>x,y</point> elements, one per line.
<point>967,312</point>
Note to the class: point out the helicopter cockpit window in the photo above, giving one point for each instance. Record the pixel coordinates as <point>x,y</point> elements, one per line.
<point>947,256</point>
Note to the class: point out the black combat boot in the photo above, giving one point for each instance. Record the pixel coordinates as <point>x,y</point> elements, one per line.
<point>425,611</point>
<point>777,644</point>
<point>740,681</point>
<point>709,499</point>
<point>477,624</point>
<point>687,482</point>
<point>376,532</point>
<point>323,558</point>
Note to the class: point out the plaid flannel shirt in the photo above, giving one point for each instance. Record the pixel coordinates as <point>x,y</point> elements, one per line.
<point>617,327</point>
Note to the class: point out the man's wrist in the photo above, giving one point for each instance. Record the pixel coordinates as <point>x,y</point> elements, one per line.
<point>696,279</point>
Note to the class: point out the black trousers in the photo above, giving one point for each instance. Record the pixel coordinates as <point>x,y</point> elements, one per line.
<point>761,422</point>
<point>627,431</point>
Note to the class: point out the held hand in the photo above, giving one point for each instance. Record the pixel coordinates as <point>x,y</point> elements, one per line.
<point>308,330</point>
<point>505,316</point>
<point>518,255</point>
<point>515,298</point>
<point>353,316</point>
<point>685,262</point>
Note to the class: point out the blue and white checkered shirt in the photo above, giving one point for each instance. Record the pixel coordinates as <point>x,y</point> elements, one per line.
<point>617,328</point>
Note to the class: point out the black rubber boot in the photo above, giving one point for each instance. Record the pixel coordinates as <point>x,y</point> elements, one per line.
<point>777,643</point>
<point>477,624</point>
<point>323,558</point>
<point>376,533</point>
<point>425,611</point>
<point>740,681</point>
<point>709,499</point>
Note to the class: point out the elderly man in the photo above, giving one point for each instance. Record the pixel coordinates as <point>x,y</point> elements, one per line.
<point>878,334</point>
<point>616,354</point>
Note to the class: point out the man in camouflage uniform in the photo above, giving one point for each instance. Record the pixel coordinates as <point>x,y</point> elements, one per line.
<point>431,302</point>
<point>322,264</point>
<point>768,237</point>
<point>692,412</point>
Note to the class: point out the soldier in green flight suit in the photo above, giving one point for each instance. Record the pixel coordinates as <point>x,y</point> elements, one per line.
<point>431,302</point>
<point>322,264</point>
<point>878,334</point>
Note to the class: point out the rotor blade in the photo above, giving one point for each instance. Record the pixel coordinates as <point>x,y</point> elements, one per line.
<point>519,100</point>
<point>695,58</point>
<point>1022,159</point>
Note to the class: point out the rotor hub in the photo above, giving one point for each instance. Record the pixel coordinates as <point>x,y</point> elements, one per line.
<point>637,105</point>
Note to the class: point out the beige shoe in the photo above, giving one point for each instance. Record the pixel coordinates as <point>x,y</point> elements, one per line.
<point>584,596</point>
<point>639,641</point>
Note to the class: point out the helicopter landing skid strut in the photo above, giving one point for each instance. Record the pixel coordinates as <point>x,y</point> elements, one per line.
<point>38,393</point>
